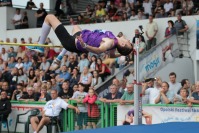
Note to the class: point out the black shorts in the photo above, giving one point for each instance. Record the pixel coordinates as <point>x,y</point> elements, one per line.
<point>66,39</point>
<point>51,118</point>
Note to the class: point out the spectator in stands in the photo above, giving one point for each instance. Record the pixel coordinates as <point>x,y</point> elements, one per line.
<point>112,10</point>
<point>40,15</point>
<point>158,8</point>
<point>63,76</point>
<point>96,80</point>
<point>173,85</point>
<point>141,15</point>
<point>43,96</point>
<point>5,106</point>
<point>30,4</point>
<point>26,64</point>
<point>16,20</point>
<point>147,5</point>
<point>80,19</point>
<point>187,7</point>
<point>5,87</point>
<point>182,97</point>
<point>150,91</point>
<point>54,85</point>
<point>165,96</point>
<point>65,61</point>
<point>86,78</point>
<point>22,76</point>
<point>185,85</point>
<point>50,112</point>
<point>18,92</point>
<point>66,92</point>
<point>6,3</point>
<point>119,12</point>
<point>75,88</point>
<point>180,25</point>
<point>170,30</point>
<point>82,117</point>
<point>11,63</point>
<point>12,53</point>
<point>84,62</point>
<point>133,15</point>
<point>28,97</point>
<point>4,54</point>
<point>75,77</point>
<point>162,14</point>
<point>151,31</point>
<point>102,69</point>
<point>93,111</point>
<point>24,21</point>
<point>29,40</point>
<point>15,47</point>
<point>20,53</point>
<point>23,42</point>
<point>45,65</point>
<point>93,63</point>
<point>31,77</point>
<point>127,10</point>
<point>128,96</point>
<point>19,63</point>
<point>168,6</point>
<point>1,65</point>
<point>113,96</point>
<point>35,63</point>
<point>123,84</point>
<point>195,94</point>
<point>100,14</point>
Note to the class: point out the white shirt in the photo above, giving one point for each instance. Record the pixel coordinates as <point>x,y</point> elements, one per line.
<point>151,28</point>
<point>4,57</point>
<point>54,107</point>
<point>153,94</point>
<point>174,87</point>
<point>19,65</point>
<point>147,7</point>
<point>168,6</point>
<point>17,17</point>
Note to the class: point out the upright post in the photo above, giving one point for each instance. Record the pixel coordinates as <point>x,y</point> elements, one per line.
<point>137,90</point>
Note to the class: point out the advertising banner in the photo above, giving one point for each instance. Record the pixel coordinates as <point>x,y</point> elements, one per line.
<point>157,114</point>
<point>158,57</point>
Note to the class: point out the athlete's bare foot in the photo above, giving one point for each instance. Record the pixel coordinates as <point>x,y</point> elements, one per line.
<point>55,65</point>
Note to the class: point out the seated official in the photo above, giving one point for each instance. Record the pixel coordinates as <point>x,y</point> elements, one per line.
<point>5,105</point>
<point>50,112</point>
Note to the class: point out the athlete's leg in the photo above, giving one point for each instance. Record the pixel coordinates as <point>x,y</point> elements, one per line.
<point>56,62</point>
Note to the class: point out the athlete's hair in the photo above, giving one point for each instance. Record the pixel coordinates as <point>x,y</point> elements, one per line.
<point>124,50</point>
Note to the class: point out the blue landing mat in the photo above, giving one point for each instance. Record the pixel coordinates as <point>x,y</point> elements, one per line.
<point>173,127</point>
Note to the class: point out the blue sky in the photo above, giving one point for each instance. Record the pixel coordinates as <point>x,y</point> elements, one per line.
<point>22,3</point>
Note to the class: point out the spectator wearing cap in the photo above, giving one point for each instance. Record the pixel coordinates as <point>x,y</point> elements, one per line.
<point>30,96</point>
<point>150,90</point>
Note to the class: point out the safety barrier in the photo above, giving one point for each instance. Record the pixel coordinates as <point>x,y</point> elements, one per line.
<point>111,114</point>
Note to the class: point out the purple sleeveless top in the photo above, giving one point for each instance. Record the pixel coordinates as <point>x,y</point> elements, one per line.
<point>94,38</point>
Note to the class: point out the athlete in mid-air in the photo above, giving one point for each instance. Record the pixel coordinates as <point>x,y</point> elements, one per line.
<point>96,41</point>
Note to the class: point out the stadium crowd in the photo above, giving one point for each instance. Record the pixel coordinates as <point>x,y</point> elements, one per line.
<point>26,76</point>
